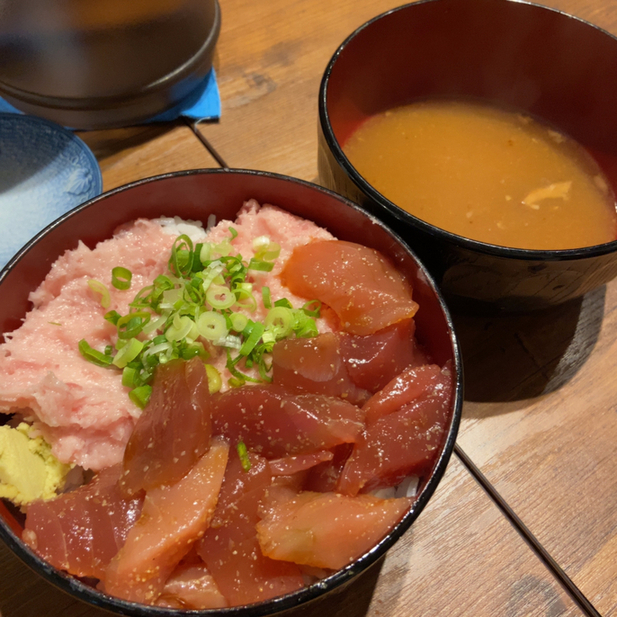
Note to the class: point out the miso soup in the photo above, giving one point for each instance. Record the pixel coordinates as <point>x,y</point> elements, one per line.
<point>485,173</point>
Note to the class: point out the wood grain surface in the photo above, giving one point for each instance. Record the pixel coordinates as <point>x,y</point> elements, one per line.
<point>540,415</point>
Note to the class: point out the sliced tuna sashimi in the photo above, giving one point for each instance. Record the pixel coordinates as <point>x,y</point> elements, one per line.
<point>415,383</point>
<point>324,477</point>
<point>315,365</point>
<point>173,432</point>
<point>81,531</point>
<point>373,360</point>
<point>358,283</point>
<point>230,548</point>
<point>324,530</point>
<point>275,423</point>
<point>191,587</point>
<point>295,464</point>
<point>400,444</point>
<point>173,518</point>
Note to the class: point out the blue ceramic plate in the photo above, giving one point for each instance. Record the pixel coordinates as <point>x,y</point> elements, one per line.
<point>44,172</point>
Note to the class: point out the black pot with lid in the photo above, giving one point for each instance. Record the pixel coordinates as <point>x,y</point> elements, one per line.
<point>104,63</point>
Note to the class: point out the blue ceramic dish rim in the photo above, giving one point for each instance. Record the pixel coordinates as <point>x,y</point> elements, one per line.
<point>58,128</point>
<point>494,250</point>
<point>276,605</point>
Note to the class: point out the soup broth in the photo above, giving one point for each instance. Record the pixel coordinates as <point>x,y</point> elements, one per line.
<point>488,174</point>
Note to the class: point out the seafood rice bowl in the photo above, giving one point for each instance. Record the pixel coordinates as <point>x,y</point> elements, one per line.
<point>231,390</point>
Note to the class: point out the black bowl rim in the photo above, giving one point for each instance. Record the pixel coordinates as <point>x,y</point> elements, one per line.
<point>87,594</point>
<point>437,233</point>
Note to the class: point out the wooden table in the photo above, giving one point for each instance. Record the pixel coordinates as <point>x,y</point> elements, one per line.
<point>539,419</point>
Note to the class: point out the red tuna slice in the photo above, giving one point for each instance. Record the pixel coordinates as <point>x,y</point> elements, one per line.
<point>276,423</point>
<point>173,432</point>
<point>323,478</point>
<point>315,365</point>
<point>81,531</point>
<point>413,384</point>
<point>173,518</point>
<point>324,530</point>
<point>243,574</point>
<point>295,464</point>
<point>191,587</point>
<point>398,445</point>
<point>358,283</point>
<point>373,360</point>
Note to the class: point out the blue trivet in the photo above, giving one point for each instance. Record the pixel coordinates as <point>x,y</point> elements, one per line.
<point>203,104</point>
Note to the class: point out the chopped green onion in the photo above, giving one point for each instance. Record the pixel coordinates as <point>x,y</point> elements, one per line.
<point>265,296</point>
<point>238,321</point>
<point>213,270</point>
<point>261,265</point>
<point>144,297</point>
<point>159,347</point>
<point>112,317</point>
<point>280,321</point>
<point>205,252</point>
<point>92,355</point>
<point>212,326</point>
<point>181,260</point>
<point>128,353</point>
<point>248,302</point>
<point>283,302</point>
<point>244,456</point>
<point>266,250</point>
<point>130,377</point>
<point>254,330</point>
<point>233,232</point>
<point>223,248</point>
<point>180,329</point>
<point>156,324</point>
<point>121,277</point>
<point>219,297</point>
<point>192,350</point>
<point>214,379</point>
<point>131,325</point>
<point>101,289</point>
<point>312,308</point>
<point>141,395</point>
<point>307,330</point>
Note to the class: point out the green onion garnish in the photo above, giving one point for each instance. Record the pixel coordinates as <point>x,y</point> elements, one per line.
<point>92,355</point>
<point>112,317</point>
<point>261,265</point>
<point>141,395</point>
<point>204,300</point>
<point>128,353</point>
<point>121,277</point>
<point>99,288</point>
<point>244,456</point>
<point>131,325</point>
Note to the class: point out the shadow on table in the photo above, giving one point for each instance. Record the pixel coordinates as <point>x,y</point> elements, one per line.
<point>108,142</point>
<point>517,357</point>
